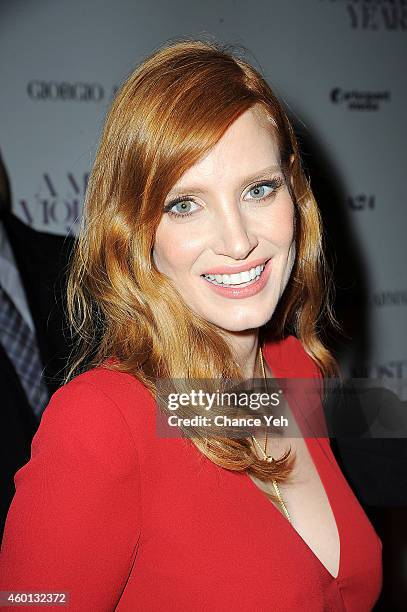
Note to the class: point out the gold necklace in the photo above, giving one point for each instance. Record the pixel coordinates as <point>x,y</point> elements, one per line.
<point>266,457</point>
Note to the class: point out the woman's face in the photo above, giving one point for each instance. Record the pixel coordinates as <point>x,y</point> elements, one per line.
<point>229,245</point>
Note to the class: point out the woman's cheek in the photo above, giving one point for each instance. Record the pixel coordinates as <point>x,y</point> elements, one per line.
<point>281,225</point>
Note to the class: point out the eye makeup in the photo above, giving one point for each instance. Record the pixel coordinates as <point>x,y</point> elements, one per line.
<point>275,184</point>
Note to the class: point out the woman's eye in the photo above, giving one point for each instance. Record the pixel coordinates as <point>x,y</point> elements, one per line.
<point>182,208</point>
<point>260,192</point>
<point>264,190</point>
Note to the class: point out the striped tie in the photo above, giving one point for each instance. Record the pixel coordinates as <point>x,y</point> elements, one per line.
<point>21,347</point>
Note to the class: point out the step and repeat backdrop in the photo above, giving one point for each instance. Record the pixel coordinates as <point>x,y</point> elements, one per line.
<point>339,66</point>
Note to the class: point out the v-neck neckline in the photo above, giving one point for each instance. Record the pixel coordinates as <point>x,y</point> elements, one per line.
<point>272,508</point>
<point>313,446</point>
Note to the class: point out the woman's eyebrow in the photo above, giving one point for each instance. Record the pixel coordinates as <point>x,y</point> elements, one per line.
<point>201,188</point>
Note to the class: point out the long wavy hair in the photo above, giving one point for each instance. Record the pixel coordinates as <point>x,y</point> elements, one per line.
<point>166,116</point>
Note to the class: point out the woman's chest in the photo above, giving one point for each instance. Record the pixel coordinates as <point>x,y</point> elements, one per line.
<point>209,535</point>
<point>308,505</point>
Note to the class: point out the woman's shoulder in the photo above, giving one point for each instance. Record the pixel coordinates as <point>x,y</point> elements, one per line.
<point>104,379</point>
<point>101,400</point>
<point>289,358</point>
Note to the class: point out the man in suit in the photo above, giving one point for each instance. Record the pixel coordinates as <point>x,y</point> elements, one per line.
<point>33,269</point>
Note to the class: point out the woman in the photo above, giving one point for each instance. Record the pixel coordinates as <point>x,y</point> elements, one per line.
<point>198,177</point>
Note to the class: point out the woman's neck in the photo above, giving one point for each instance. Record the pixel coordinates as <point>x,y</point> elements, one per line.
<point>245,346</point>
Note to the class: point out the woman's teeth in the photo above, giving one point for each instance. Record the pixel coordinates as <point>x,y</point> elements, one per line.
<point>235,279</point>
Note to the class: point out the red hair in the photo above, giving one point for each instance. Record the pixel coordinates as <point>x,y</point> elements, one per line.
<point>171,111</point>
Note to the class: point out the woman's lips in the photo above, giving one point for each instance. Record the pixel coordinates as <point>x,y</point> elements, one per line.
<point>252,288</point>
<point>240,268</point>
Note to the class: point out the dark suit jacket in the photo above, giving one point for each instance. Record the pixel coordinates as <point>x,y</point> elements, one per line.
<point>42,260</point>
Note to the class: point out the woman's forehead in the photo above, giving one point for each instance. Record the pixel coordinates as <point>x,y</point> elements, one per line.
<point>247,150</point>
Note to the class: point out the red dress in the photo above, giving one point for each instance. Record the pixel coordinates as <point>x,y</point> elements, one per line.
<point>123,520</point>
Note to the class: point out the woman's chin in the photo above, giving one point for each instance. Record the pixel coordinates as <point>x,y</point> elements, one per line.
<point>242,324</point>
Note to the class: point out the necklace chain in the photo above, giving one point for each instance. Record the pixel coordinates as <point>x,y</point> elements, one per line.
<point>266,457</point>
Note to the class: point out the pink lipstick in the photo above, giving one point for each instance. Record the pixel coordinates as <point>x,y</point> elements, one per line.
<point>248,289</point>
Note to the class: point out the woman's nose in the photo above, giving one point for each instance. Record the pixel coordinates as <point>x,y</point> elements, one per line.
<point>232,235</point>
